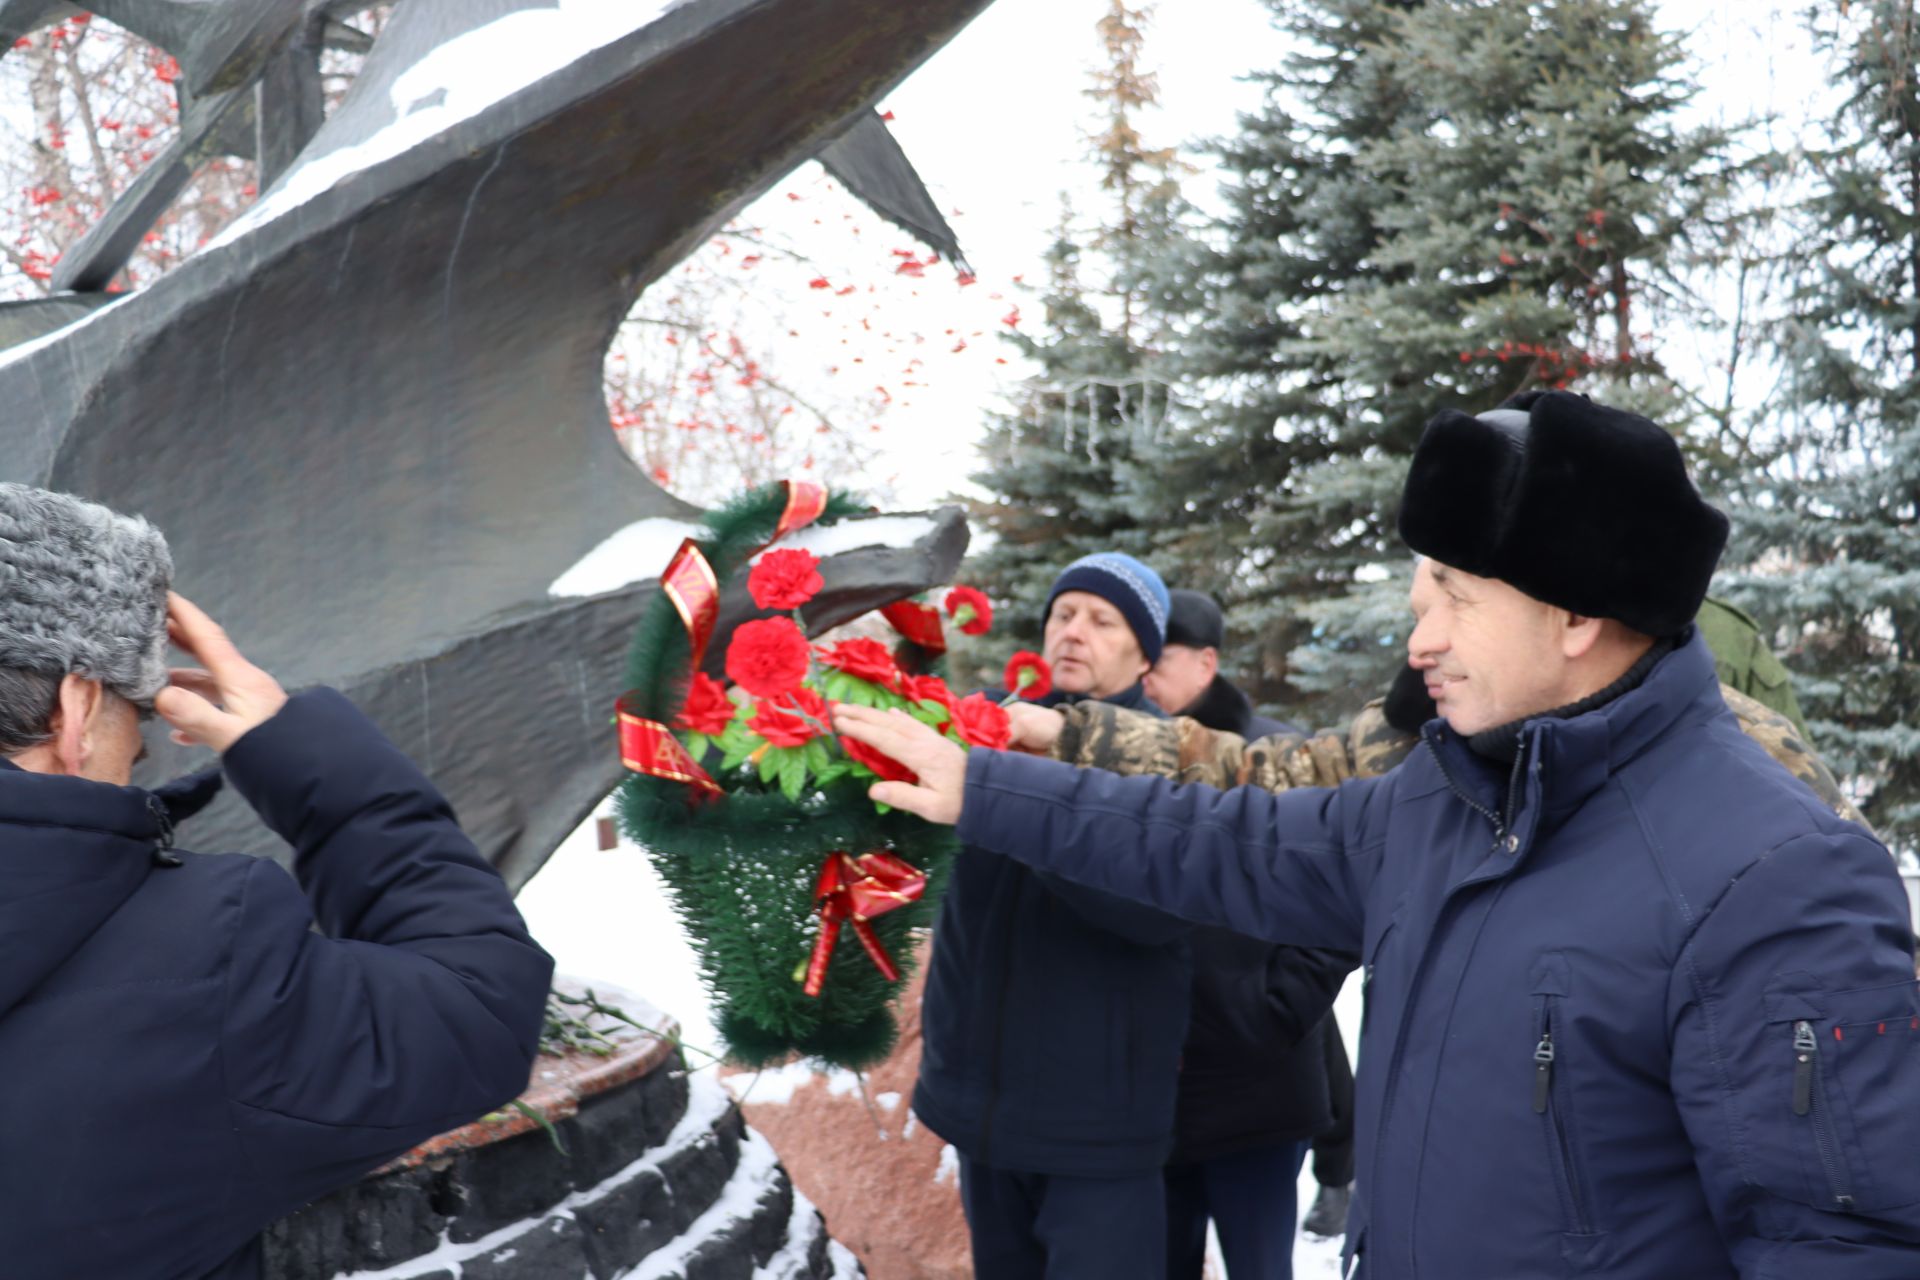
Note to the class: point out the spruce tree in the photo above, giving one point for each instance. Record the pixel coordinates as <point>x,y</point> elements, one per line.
<point>1440,205</point>
<point>1831,537</point>
<point>1061,468</point>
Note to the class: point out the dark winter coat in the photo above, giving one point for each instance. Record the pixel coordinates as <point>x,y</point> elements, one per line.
<point>1052,1020</point>
<point>1254,1072</point>
<point>185,1061</point>
<point>1640,1007</point>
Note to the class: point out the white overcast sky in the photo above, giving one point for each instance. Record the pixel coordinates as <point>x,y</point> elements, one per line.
<point>996,122</point>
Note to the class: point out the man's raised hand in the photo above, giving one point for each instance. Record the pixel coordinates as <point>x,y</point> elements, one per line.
<point>938,761</point>
<point>217,702</point>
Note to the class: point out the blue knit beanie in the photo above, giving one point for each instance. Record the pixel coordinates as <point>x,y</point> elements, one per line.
<point>1129,586</point>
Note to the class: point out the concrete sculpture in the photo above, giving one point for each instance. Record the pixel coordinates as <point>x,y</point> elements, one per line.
<point>369,415</point>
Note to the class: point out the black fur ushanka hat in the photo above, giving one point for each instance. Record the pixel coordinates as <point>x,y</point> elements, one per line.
<point>1578,505</point>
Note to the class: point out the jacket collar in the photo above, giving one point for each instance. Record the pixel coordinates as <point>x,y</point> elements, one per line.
<point>1223,706</point>
<point>54,800</point>
<point>1568,760</point>
<point>1134,699</point>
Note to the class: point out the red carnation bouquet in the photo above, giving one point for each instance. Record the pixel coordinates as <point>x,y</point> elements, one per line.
<point>777,717</point>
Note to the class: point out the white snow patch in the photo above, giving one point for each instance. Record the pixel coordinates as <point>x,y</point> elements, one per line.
<point>913,1122</point>
<point>458,80</point>
<point>852,535</point>
<point>775,1086</point>
<point>949,1167</point>
<point>886,1101</point>
<point>633,554</point>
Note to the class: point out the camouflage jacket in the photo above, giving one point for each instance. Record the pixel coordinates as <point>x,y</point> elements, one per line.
<point>1106,737</point>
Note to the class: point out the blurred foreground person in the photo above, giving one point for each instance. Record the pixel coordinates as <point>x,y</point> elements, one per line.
<point>185,1059</point>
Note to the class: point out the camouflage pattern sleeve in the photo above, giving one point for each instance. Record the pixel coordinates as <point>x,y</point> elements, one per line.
<point>1102,736</point>
<point>1785,743</point>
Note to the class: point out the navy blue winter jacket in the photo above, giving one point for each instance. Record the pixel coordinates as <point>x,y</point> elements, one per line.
<point>1643,1009</point>
<point>1052,1020</point>
<point>183,1059</point>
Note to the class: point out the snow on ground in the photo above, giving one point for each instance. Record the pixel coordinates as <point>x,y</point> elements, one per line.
<point>605,915</point>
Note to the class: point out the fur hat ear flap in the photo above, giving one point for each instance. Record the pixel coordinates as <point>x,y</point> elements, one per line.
<point>1577,504</point>
<point>1459,481</point>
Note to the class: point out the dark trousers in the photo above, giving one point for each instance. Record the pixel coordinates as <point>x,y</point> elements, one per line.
<point>1333,1150</point>
<point>1253,1201</point>
<point>1041,1226</point>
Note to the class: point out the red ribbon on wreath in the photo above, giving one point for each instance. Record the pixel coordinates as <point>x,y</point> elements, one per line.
<point>858,889</point>
<point>647,746</point>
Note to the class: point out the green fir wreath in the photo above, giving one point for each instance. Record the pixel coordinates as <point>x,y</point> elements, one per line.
<point>742,869</point>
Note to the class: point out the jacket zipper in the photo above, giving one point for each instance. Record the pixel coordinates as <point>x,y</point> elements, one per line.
<point>1499,826</point>
<point>1808,1089</point>
<point>1543,1059</point>
<point>163,856</point>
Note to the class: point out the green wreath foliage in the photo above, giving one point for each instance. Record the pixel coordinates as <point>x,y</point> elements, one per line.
<point>741,871</point>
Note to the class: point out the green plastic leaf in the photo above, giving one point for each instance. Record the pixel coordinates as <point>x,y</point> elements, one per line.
<point>793,774</point>
<point>770,764</point>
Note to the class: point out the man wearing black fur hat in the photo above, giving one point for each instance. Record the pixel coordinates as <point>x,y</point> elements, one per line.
<point>1264,1074</point>
<point>1639,1004</point>
<point>186,1057</point>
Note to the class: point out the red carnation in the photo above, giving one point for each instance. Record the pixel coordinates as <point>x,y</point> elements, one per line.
<point>927,689</point>
<point>792,719</point>
<point>970,610</point>
<point>785,579</point>
<point>1028,675</point>
<point>865,659</point>
<point>983,722</point>
<point>767,658</point>
<point>708,709</point>
<point>888,769</point>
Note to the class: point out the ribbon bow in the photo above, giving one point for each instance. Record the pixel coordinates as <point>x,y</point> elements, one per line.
<point>648,746</point>
<point>858,889</point>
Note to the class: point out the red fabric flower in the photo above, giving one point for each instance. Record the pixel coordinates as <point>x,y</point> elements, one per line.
<point>889,769</point>
<point>1028,675</point>
<point>927,689</point>
<point>768,657</point>
<point>792,719</point>
<point>983,722</point>
<point>785,579</point>
<point>867,659</point>
<point>708,709</point>
<point>970,610</point>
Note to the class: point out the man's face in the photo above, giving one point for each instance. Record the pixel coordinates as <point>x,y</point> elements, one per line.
<point>1181,676</point>
<point>1490,654</point>
<point>1090,646</point>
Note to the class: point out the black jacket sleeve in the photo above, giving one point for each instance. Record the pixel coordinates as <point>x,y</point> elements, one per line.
<point>418,1006</point>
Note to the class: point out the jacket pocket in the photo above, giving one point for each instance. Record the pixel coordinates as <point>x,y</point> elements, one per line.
<point>1552,1101</point>
<point>1370,953</point>
<point>1852,1065</point>
<point>1552,1098</point>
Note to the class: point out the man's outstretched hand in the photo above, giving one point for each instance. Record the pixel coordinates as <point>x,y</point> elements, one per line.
<point>939,762</point>
<point>213,704</point>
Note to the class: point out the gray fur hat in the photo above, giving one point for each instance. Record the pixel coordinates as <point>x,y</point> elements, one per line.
<point>82,590</point>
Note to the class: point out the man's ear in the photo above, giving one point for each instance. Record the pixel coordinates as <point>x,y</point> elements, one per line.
<point>1579,635</point>
<point>1210,658</point>
<point>75,720</point>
